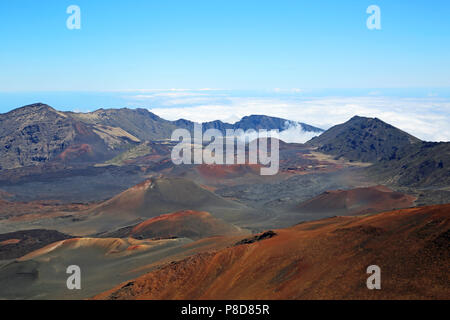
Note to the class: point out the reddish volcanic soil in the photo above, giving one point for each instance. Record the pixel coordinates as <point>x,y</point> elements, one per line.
<point>324,259</point>
<point>227,171</point>
<point>162,195</point>
<point>10,241</point>
<point>108,246</point>
<point>188,224</point>
<point>76,151</point>
<point>5,195</point>
<point>357,201</point>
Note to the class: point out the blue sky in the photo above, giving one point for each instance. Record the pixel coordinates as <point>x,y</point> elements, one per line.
<point>132,53</point>
<point>139,44</point>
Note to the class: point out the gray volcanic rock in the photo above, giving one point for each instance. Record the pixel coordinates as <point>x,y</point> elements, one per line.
<point>363,139</point>
<point>426,164</point>
<point>37,133</point>
<point>33,134</point>
<point>254,122</point>
<point>140,123</point>
<point>16,244</point>
<point>271,123</point>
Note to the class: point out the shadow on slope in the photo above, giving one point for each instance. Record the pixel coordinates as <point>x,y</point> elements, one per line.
<point>325,259</point>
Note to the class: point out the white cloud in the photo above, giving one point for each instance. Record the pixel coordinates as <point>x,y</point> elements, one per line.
<point>295,134</point>
<point>427,118</point>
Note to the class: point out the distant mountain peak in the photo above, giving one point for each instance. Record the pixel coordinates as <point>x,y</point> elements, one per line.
<point>363,139</point>
<point>31,108</point>
<point>359,119</point>
<point>37,105</point>
<point>259,116</point>
<point>255,122</point>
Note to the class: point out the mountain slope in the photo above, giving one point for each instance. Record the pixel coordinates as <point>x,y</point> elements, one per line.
<point>425,164</point>
<point>152,198</point>
<point>161,195</point>
<point>17,244</point>
<point>356,201</point>
<point>41,274</point>
<point>363,139</point>
<point>183,224</point>
<point>254,122</point>
<point>257,122</point>
<point>324,259</point>
<point>138,122</point>
<point>37,133</point>
<point>33,134</point>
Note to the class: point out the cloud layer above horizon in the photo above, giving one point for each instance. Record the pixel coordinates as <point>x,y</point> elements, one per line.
<point>426,118</point>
